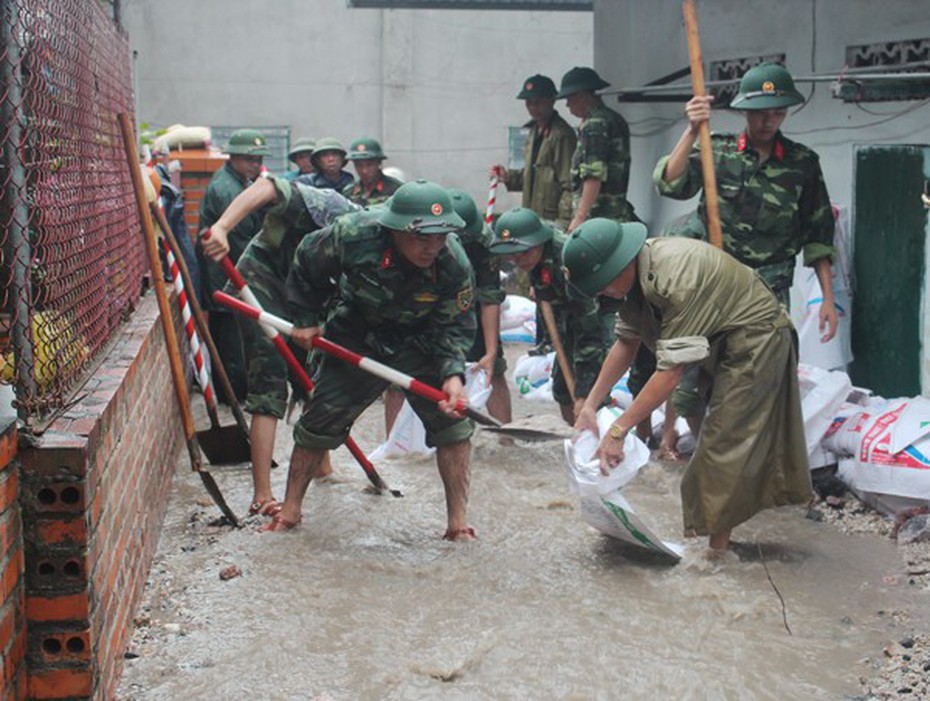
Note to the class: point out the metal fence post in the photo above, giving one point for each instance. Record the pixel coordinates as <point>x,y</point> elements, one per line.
<point>17,249</point>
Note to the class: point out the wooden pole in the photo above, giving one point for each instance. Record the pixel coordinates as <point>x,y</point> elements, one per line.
<point>707,154</point>
<point>560,354</point>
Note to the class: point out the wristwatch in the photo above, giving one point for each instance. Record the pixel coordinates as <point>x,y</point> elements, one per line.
<point>617,432</point>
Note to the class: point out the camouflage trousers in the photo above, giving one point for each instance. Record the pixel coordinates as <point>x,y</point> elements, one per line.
<point>344,391</point>
<point>268,374</point>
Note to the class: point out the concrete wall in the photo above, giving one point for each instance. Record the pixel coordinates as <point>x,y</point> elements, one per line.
<point>436,87</point>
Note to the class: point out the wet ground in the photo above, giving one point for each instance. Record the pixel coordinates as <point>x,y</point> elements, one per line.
<point>365,601</point>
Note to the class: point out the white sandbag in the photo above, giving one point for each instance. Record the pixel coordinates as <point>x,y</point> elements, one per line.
<point>525,333</point>
<point>602,505</point>
<point>807,298</point>
<point>822,394</point>
<point>516,310</point>
<point>532,376</point>
<point>408,435</point>
<point>875,466</point>
<point>180,136</point>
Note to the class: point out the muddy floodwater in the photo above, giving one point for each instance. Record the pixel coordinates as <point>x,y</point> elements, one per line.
<point>365,601</point>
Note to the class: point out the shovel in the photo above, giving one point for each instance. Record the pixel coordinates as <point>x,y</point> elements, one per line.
<point>164,313</point>
<point>383,371</point>
<point>223,445</point>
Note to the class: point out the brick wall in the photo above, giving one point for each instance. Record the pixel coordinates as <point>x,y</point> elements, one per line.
<point>12,620</point>
<point>95,490</point>
<point>197,168</point>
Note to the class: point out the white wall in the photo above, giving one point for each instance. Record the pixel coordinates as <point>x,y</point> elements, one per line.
<point>436,87</point>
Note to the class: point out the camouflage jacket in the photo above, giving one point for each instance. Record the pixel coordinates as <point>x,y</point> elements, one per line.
<point>547,182</point>
<point>487,270</point>
<point>768,211</point>
<point>383,189</point>
<point>297,211</point>
<point>321,182</point>
<point>603,152</point>
<point>224,186</point>
<point>581,329</point>
<point>351,275</point>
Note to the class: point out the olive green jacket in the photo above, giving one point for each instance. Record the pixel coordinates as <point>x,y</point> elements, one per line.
<point>547,183</point>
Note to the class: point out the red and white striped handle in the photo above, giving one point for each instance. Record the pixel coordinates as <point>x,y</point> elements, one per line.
<point>492,201</point>
<point>373,366</point>
<point>197,355</point>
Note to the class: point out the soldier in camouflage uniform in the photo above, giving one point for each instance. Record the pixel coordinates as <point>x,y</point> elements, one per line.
<point>772,197</point>
<point>372,186</point>
<point>546,176</point>
<point>246,149</point>
<point>537,249</point>
<point>391,284</point>
<point>292,210</point>
<point>601,163</point>
<point>487,351</point>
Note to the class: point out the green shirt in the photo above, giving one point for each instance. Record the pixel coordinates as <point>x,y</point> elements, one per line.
<point>351,275</point>
<point>546,181</point>
<point>603,153</point>
<point>769,211</point>
<point>382,190</point>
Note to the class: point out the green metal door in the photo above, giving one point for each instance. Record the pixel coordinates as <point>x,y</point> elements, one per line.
<point>888,260</point>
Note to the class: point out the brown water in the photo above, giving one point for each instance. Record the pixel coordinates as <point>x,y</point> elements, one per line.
<point>365,601</point>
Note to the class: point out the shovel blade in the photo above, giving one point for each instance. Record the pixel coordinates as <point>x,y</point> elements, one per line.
<point>531,435</point>
<point>213,489</point>
<point>225,445</point>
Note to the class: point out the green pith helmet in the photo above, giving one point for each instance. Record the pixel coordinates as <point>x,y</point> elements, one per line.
<point>421,207</point>
<point>767,86</point>
<point>366,149</point>
<point>465,207</point>
<point>580,79</point>
<point>519,230</point>
<point>537,86</point>
<point>247,142</point>
<point>598,251</point>
<point>301,146</point>
<point>325,144</point>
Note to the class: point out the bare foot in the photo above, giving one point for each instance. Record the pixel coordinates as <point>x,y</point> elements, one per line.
<point>460,535</point>
<point>719,541</point>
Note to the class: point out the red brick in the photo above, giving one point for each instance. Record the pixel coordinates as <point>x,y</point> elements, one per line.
<point>10,534</point>
<point>8,445</point>
<point>9,488</point>
<point>59,683</point>
<point>71,531</point>
<point>12,573</point>
<point>71,607</point>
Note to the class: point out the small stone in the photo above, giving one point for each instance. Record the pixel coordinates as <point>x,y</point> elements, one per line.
<point>835,502</point>
<point>907,642</point>
<point>172,627</point>
<point>129,655</point>
<point>915,530</point>
<point>204,502</point>
<point>230,572</point>
<point>814,514</point>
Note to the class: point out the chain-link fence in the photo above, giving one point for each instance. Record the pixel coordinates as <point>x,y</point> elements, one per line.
<point>71,264</point>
